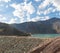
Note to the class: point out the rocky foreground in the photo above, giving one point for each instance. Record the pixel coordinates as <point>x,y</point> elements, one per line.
<point>52,46</point>
<point>18,44</point>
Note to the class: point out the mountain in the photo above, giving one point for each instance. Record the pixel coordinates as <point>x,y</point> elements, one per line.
<point>6,29</point>
<point>51,26</point>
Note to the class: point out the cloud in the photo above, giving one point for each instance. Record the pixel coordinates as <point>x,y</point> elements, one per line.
<point>5,0</point>
<point>44,4</point>
<point>0,15</point>
<point>19,12</point>
<point>38,18</point>
<point>56,3</point>
<point>37,0</point>
<point>3,19</point>
<point>49,10</point>
<point>23,10</point>
<point>29,8</point>
<point>46,11</point>
<point>7,6</point>
<point>13,20</point>
<point>39,12</point>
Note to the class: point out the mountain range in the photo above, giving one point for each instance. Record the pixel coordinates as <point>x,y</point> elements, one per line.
<point>6,29</point>
<point>51,26</point>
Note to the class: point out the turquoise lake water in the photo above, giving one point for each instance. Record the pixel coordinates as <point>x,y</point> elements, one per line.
<point>46,35</point>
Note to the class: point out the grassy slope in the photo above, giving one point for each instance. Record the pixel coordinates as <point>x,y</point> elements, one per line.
<point>16,44</point>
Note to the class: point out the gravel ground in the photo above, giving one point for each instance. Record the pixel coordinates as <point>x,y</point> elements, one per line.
<point>17,44</point>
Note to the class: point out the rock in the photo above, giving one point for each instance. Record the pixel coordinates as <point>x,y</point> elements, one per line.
<point>52,46</point>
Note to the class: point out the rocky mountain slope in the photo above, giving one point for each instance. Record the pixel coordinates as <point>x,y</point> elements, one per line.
<point>6,29</point>
<point>51,26</point>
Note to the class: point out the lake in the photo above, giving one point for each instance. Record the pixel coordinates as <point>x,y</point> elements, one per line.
<point>46,35</point>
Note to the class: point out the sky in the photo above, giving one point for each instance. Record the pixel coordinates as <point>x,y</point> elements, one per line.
<point>20,11</point>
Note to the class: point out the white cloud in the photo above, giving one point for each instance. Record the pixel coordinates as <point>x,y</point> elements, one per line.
<point>49,10</point>
<point>25,0</point>
<point>46,11</point>
<point>19,12</point>
<point>56,3</point>
<point>38,18</point>
<point>44,4</point>
<point>46,17</point>
<point>54,10</point>
<point>22,10</point>
<point>3,19</point>
<point>23,7</point>
<point>29,8</point>
<point>13,20</point>
<point>0,15</point>
<point>37,0</point>
<point>5,0</point>
<point>22,20</point>
<point>28,17</point>
<point>40,12</point>
<point>7,6</point>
